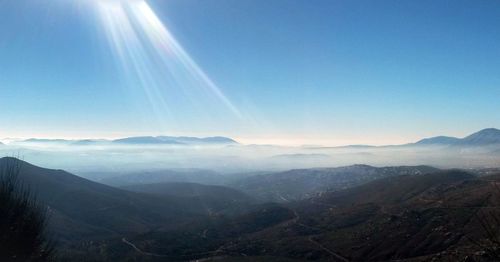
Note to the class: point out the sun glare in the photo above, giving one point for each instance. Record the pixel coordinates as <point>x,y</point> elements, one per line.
<point>152,58</point>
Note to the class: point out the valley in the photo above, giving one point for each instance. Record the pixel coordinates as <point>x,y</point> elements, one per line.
<point>348,213</point>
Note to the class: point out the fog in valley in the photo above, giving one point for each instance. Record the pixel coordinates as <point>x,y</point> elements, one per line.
<point>99,159</point>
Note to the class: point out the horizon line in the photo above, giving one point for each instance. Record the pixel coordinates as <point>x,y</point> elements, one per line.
<point>275,141</point>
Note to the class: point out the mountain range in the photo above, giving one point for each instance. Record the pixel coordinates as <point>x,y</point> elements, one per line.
<point>485,137</point>
<point>138,140</point>
<point>488,136</point>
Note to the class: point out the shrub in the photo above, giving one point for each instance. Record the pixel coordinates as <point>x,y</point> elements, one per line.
<point>23,221</point>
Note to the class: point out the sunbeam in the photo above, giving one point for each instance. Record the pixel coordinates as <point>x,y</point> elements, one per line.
<point>130,51</point>
<point>154,60</point>
<point>166,44</point>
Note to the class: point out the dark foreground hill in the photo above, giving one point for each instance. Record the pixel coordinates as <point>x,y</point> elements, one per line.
<point>82,211</point>
<point>79,204</point>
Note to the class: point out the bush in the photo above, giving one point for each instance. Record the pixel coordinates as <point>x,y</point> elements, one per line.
<point>23,221</point>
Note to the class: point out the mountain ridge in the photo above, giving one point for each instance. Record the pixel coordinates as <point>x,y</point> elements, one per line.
<point>94,209</point>
<point>483,137</point>
<point>138,140</point>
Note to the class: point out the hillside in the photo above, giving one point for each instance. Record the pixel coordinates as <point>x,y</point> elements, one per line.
<point>216,198</point>
<point>81,209</point>
<point>209,238</point>
<point>424,217</point>
<point>414,218</point>
<point>406,218</point>
<point>188,190</point>
<point>200,176</point>
<point>406,214</point>
<point>299,184</point>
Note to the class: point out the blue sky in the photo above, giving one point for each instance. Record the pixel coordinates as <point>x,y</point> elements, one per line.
<point>299,72</point>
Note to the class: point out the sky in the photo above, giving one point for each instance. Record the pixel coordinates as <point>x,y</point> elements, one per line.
<point>281,72</point>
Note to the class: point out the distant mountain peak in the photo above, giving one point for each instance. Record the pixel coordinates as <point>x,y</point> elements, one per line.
<point>483,137</point>
<point>438,140</point>
<point>487,131</point>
